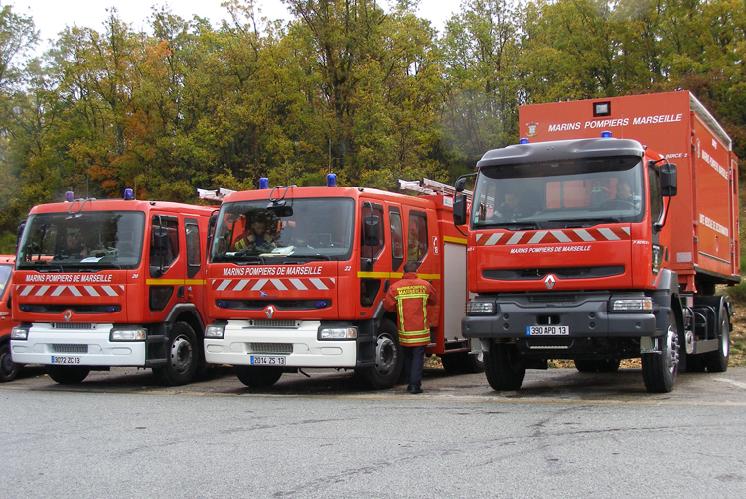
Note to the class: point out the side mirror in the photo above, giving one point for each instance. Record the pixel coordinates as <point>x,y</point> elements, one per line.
<point>668,179</point>
<point>460,184</point>
<point>459,209</point>
<point>371,230</point>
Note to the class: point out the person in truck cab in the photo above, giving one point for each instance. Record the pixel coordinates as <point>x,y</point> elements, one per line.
<point>409,297</point>
<point>257,238</point>
<point>511,208</point>
<point>74,247</point>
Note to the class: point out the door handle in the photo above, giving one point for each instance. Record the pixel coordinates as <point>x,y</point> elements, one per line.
<point>180,292</point>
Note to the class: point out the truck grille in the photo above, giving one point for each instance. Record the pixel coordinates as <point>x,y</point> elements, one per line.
<point>533,274</point>
<point>69,348</point>
<point>72,325</point>
<point>271,348</point>
<point>279,323</point>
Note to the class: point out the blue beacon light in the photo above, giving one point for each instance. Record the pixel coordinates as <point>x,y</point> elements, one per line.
<point>264,183</point>
<point>331,180</point>
<point>606,134</point>
<point>69,196</point>
<point>523,140</point>
<point>129,194</point>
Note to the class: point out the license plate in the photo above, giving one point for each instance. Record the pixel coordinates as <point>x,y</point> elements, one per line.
<point>267,360</point>
<point>547,330</point>
<point>57,359</point>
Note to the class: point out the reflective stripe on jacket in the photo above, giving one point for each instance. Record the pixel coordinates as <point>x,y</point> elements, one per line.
<point>409,297</point>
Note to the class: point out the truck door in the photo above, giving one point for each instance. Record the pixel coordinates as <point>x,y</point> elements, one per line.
<point>374,268</point>
<point>422,245</point>
<point>166,267</point>
<point>195,272</point>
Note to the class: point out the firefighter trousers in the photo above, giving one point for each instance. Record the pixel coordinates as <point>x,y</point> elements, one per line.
<point>414,359</point>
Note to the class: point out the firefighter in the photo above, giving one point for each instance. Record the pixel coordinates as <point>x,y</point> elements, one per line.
<point>410,297</point>
<point>257,238</point>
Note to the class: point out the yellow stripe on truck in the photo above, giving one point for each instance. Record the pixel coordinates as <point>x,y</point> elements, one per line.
<point>175,282</point>
<point>454,240</point>
<point>394,275</point>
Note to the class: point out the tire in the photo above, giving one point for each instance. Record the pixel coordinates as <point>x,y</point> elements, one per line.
<point>182,356</point>
<point>68,375</point>
<point>389,359</point>
<point>258,377</point>
<point>597,365</point>
<point>8,368</point>
<point>504,367</point>
<point>717,361</point>
<point>462,363</point>
<point>659,369</point>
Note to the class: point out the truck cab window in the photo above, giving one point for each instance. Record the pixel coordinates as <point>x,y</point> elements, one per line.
<point>417,236</point>
<point>164,244</point>
<point>194,253</point>
<point>372,246</point>
<point>397,239</point>
<point>656,200</point>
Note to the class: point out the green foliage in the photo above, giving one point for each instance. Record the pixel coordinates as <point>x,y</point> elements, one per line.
<point>372,94</point>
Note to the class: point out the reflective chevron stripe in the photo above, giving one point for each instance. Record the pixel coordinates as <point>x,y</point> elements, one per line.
<point>554,236</point>
<point>68,289</point>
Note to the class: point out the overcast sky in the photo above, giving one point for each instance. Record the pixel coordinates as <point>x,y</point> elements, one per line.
<point>51,16</point>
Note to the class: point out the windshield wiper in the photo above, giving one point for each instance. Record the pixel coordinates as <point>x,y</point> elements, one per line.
<point>246,259</point>
<point>585,222</point>
<point>316,256</point>
<point>511,226</point>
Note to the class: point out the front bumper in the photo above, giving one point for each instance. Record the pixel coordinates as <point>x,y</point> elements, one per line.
<point>586,315</point>
<point>89,347</point>
<point>299,346</point>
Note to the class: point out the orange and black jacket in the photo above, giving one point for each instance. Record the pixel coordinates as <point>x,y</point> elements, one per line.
<point>409,297</point>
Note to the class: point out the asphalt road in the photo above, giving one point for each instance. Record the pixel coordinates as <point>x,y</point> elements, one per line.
<point>565,434</point>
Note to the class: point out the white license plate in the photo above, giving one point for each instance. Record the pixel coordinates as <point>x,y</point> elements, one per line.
<point>58,359</point>
<point>547,330</point>
<point>267,360</point>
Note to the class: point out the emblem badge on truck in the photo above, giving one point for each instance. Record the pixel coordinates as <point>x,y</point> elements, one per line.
<point>269,311</point>
<point>550,281</point>
<point>67,315</point>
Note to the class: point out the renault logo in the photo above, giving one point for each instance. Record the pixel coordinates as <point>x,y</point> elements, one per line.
<point>550,281</point>
<point>67,315</point>
<point>269,311</point>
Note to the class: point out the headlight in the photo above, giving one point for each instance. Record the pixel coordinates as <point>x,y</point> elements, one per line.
<point>338,333</point>
<point>128,334</point>
<point>215,331</point>
<point>481,308</point>
<point>19,333</point>
<point>632,305</point>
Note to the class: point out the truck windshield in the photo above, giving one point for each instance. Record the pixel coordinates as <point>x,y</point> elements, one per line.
<point>249,232</point>
<point>572,193</point>
<point>82,241</point>
<point>5,271</point>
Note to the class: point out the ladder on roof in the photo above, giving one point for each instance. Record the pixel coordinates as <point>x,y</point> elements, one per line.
<point>214,194</point>
<point>430,187</point>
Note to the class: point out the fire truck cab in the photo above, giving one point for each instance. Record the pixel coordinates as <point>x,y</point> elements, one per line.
<point>101,283</point>
<point>297,277</point>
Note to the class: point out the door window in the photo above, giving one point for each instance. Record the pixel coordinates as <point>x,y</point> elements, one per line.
<point>417,245</point>
<point>397,239</point>
<point>194,253</point>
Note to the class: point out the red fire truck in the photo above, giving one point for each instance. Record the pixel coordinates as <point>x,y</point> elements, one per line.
<point>111,283</point>
<point>8,368</point>
<point>297,276</point>
<point>588,243</point>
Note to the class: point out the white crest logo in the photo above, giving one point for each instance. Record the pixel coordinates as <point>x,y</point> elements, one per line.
<point>269,311</point>
<point>532,129</point>
<point>550,281</point>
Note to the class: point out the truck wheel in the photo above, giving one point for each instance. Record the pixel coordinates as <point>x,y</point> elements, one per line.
<point>258,377</point>
<point>659,369</point>
<point>8,368</point>
<point>462,363</point>
<point>68,375</point>
<point>182,356</point>
<point>389,359</point>
<point>717,361</point>
<point>504,367</point>
<point>597,366</point>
